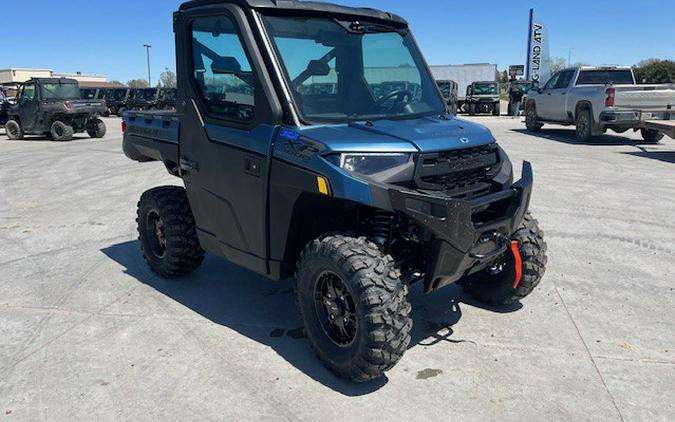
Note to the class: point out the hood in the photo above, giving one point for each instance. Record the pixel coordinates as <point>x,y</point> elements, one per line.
<point>425,134</point>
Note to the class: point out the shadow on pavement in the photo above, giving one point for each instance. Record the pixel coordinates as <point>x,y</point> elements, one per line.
<point>568,136</point>
<point>667,156</point>
<point>265,311</point>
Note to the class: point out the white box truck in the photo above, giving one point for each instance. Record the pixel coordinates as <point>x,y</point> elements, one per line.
<point>464,75</point>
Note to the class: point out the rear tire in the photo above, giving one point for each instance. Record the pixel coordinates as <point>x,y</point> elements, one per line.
<point>353,305</point>
<point>651,136</point>
<point>497,287</point>
<point>472,109</point>
<point>532,122</point>
<point>13,130</point>
<point>61,131</point>
<point>96,128</point>
<point>168,233</point>
<point>584,125</point>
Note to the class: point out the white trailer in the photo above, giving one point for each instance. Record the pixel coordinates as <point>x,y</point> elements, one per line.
<point>465,75</point>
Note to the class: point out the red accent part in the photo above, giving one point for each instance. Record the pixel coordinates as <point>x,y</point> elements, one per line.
<point>518,261</point>
<point>611,94</point>
<point>124,126</point>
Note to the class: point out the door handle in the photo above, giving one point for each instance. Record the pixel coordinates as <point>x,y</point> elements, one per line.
<point>253,167</point>
<point>188,166</point>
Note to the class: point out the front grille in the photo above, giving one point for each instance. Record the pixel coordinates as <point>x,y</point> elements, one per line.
<point>464,173</point>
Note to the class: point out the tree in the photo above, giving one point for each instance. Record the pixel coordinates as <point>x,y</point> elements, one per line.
<point>556,64</point>
<point>137,83</point>
<point>655,71</point>
<point>116,82</point>
<point>168,79</point>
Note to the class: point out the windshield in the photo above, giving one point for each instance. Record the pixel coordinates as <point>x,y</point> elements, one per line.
<point>88,94</point>
<point>168,94</point>
<point>446,88</point>
<point>60,91</point>
<point>338,74</point>
<point>523,88</point>
<point>605,77</point>
<point>144,94</point>
<point>484,89</point>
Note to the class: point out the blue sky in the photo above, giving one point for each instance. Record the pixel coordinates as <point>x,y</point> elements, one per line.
<point>107,37</point>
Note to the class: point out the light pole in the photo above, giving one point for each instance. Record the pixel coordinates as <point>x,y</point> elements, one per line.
<point>147,48</point>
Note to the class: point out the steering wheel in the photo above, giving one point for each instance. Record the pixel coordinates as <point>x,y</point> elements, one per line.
<point>398,95</point>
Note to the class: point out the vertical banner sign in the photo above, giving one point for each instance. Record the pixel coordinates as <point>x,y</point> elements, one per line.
<point>536,54</point>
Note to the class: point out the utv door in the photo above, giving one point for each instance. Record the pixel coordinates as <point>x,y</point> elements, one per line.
<point>28,107</point>
<point>229,117</point>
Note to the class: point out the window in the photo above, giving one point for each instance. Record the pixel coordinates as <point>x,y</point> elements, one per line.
<point>60,91</point>
<point>604,77</point>
<point>564,79</point>
<point>28,93</point>
<point>552,82</point>
<point>221,69</point>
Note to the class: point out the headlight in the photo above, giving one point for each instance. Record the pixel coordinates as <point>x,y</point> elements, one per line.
<point>369,163</point>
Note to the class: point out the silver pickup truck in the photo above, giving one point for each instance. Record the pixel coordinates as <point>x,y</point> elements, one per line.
<point>595,99</point>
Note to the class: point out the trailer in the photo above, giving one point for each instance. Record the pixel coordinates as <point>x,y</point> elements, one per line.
<point>464,75</point>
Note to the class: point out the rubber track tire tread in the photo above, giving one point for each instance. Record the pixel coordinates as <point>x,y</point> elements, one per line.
<point>183,251</point>
<point>498,290</point>
<point>380,296</point>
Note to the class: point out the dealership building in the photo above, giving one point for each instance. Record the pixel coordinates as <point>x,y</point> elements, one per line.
<point>20,75</point>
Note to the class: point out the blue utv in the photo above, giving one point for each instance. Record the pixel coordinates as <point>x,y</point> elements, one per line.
<point>314,145</point>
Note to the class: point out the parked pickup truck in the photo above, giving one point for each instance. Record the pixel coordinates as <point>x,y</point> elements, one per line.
<point>356,188</point>
<point>595,99</point>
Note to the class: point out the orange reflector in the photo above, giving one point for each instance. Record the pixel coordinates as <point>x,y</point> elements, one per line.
<point>323,185</point>
<point>518,262</point>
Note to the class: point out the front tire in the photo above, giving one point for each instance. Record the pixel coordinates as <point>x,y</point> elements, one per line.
<point>498,285</point>
<point>168,233</point>
<point>354,306</point>
<point>61,131</point>
<point>651,136</point>
<point>532,122</point>
<point>13,130</point>
<point>496,110</point>
<point>96,128</point>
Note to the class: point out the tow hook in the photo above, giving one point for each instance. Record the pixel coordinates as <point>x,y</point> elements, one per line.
<point>518,263</point>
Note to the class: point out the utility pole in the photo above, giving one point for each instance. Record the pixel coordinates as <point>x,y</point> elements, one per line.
<point>569,58</point>
<point>147,48</point>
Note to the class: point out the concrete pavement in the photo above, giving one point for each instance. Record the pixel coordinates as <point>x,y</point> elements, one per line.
<point>87,332</point>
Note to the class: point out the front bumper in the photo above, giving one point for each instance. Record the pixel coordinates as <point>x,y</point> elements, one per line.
<point>466,234</point>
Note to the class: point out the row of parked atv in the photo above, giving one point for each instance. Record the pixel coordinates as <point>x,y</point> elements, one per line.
<point>122,99</point>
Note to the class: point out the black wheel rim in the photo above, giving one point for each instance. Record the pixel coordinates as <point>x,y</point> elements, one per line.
<point>154,233</point>
<point>58,130</point>
<point>335,309</point>
<point>13,130</point>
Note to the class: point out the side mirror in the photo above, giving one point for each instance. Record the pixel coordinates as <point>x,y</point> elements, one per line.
<point>318,68</point>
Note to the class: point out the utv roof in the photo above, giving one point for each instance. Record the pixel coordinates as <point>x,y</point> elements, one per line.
<point>309,7</point>
<point>54,80</point>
